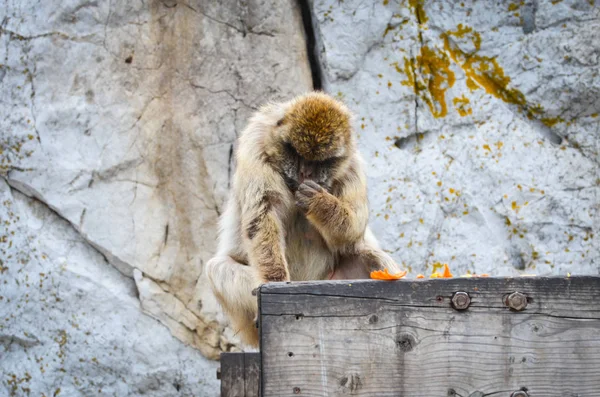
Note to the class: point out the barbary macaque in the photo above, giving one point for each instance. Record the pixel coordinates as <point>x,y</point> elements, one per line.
<point>298,207</point>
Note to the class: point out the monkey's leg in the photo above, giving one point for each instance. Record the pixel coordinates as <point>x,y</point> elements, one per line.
<point>361,262</point>
<point>232,283</point>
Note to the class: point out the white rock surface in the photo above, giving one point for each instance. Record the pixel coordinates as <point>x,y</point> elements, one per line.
<point>505,179</point>
<point>71,324</point>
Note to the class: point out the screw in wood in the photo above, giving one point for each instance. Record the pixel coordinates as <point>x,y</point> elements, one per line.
<point>519,393</point>
<point>296,390</point>
<point>219,373</point>
<point>516,301</point>
<point>461,300</point>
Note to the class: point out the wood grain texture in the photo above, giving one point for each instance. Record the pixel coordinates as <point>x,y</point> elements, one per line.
<point>240,374</point>
<point>403,338</point>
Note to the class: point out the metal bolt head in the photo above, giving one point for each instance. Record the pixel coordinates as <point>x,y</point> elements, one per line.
<point>519,393</point>
<point>461,300</point>
<point>516,301</point>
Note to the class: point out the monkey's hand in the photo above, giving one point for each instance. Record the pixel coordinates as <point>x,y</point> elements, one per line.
<point>336,220</point>
<point>307,194</point>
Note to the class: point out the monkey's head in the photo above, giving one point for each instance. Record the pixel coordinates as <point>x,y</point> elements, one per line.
<point>313,139</point>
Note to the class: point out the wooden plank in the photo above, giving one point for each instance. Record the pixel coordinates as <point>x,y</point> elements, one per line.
<point>403,338</point>
<point>240,374</point>
<point>252,374</point>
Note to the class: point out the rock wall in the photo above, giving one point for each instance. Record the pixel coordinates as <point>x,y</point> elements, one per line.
<point>479,121</point>
<point>117,120</point>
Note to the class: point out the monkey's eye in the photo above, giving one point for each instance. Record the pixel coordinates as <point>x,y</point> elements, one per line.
<point>279,122</point>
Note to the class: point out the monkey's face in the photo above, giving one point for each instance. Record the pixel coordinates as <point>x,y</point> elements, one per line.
<point>314,139</point>
<point>296,169</point>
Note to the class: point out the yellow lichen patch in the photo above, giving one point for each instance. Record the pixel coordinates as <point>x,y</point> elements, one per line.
<point>485,72</point>
<point>430,76</point>
<point>388,28</point>
<point>594,115</point>
<point>418,7</point>
<point>437,266</point>
<point>462,106</point>
<point>515,206</point>
<point>552,121</point>
<point>513,7</point>
<point>463,31</point>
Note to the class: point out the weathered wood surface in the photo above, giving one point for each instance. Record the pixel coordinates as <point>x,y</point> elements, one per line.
<point>240,374</point>
<point>403,338</point>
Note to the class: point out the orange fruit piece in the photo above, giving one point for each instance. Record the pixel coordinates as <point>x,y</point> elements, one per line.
<point>435,275</point>
<point>446,273</point>
<point>385,275</point>
<point>420,276</point>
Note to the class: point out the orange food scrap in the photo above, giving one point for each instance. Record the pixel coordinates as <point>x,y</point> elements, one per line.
<point>385,275</point>
<point>420,276</point>
<point>446,273</point>
<point>435,275</point>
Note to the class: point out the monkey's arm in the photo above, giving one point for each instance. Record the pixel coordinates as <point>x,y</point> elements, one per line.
<point>340,220</point>
<point>263,231</point>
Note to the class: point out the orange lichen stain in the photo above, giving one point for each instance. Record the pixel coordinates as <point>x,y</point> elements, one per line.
<point>385,275</point>
<point>461,105</point>
<point>419,10</point>
<point>430,77</point>
<point>487,147</point>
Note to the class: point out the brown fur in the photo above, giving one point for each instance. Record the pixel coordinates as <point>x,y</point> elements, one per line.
<point>317,126</point>
<point>288,232</point>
